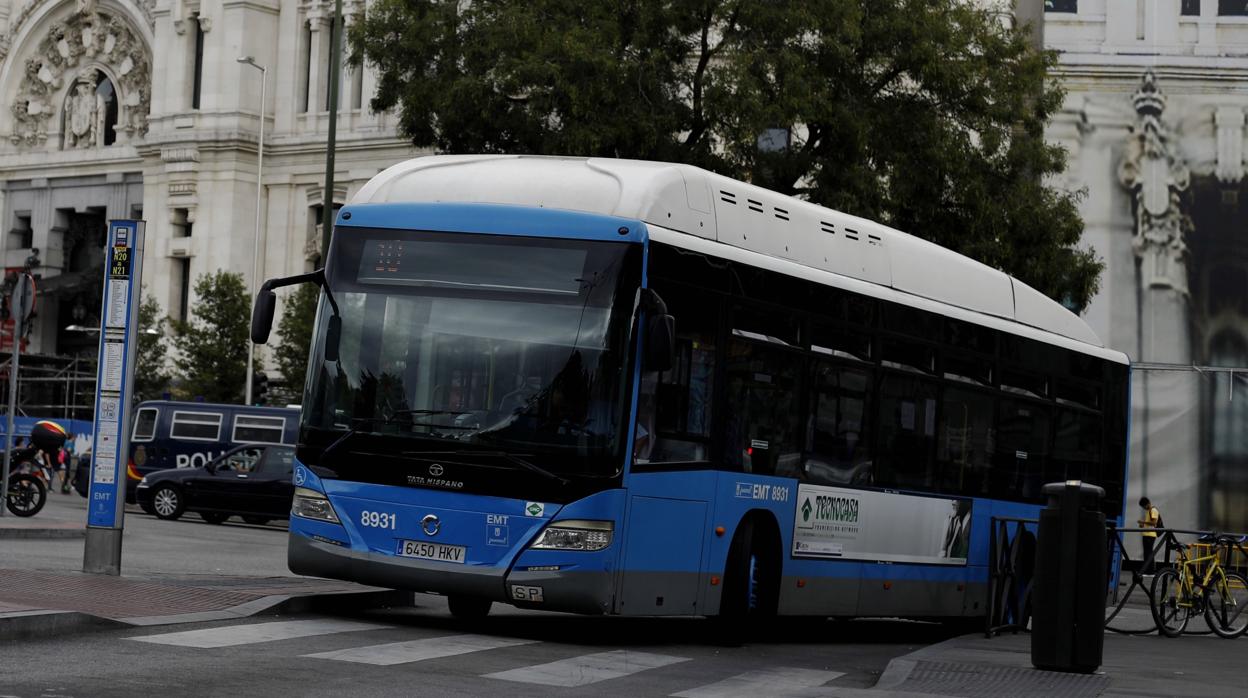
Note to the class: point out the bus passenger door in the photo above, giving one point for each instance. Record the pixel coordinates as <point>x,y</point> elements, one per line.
<point>662,557</point>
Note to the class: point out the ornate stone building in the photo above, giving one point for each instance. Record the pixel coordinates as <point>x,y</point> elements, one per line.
<point>140,108</point>
<point>1154,124</point>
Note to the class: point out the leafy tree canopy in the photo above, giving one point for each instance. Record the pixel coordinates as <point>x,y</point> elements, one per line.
<point>295,331</point>
<point>151,377</point>
<point>927,115</point>
<point>211,359</point>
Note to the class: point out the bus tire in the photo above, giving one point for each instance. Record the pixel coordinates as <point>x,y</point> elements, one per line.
<point>469,607</point>
<point>751,581</point>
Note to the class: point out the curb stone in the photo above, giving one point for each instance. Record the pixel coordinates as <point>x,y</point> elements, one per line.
<point>40,624</point>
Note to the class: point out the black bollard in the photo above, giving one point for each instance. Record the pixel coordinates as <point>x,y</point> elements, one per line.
<point>1068,622</point>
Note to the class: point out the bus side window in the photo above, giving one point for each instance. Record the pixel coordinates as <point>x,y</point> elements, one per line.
<point>905,447</point>
<point>838,437</point>
<point>1076,447</point>
<point>966,442</point>
<point>762,425</point>
<point>1022,452</point>
<point>674,407</point>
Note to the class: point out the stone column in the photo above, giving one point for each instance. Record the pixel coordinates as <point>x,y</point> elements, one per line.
<point>318,64</point>
<point>1166,443</point>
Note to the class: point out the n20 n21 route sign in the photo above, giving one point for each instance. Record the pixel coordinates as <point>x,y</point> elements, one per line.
<point>119,320</point>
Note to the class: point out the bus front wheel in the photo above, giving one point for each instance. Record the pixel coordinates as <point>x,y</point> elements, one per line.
<point>469,607</point>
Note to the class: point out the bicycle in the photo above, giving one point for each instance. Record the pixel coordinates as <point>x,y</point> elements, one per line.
<point>1180,592</point>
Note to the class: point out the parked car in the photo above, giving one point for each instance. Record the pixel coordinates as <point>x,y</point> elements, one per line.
<point>171,434</point>
<point>252,481</point>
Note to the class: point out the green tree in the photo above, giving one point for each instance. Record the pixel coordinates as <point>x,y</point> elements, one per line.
<point>151,375</point>
<point>295,331</point>
<point>211,359</point>
<point>927,115</point>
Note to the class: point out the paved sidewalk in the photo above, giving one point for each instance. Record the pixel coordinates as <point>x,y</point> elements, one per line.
<point>173,572</point>
<point>53,521</point>
<point>1133,665</point>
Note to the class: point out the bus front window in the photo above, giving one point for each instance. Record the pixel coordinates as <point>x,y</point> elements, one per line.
<point>456,342</point>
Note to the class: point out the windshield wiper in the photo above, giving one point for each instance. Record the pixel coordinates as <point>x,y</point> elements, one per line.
<point>510,458</point>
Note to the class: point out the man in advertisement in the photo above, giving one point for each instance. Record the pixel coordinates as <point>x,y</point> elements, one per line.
<point>957,538</point>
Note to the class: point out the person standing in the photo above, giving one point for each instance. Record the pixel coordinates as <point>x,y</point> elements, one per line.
<point>1150,520</point>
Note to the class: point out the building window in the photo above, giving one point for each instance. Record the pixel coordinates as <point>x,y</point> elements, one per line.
<point>357,87</point>
<point>305,70</point>
<point>1061,5</point>
<point>1230,437</point>
<point>22,236</point>
<point>1232,8</point>
<point>1190,8</point>
<point>107,101</point>
<point>198,78</point>
<point>184,291</point>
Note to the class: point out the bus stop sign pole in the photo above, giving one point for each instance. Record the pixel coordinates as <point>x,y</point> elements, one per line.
<point>119,321</point>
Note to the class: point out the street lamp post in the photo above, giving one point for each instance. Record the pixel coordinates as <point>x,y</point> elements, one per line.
<point>255,252</point>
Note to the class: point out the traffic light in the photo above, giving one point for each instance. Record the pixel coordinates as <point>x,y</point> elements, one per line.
<point>260,388</point>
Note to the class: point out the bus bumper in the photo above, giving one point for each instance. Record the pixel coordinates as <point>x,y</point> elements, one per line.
<point>573,591</point>
<point>323,559</point>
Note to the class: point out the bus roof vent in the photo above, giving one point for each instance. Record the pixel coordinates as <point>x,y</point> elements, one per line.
<point>782,214</point>
<point>727,197</point>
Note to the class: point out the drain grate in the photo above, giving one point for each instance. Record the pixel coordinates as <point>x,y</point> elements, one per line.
<point>979,681</point>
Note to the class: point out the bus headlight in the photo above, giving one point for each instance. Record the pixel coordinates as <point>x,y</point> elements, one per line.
<point>575,535</point>
<point>311,504</point>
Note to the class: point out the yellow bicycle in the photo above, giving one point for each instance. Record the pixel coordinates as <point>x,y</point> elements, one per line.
<point>1186,590</point>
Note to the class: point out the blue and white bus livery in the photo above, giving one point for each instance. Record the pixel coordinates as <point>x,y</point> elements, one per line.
<point>634,388</point>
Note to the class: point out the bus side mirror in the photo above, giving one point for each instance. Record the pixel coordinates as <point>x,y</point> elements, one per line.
<point>333,332</point>
<point>262,314</point>
<point>660,343</point>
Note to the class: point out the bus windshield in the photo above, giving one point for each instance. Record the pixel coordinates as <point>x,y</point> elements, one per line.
<point>508,351</point>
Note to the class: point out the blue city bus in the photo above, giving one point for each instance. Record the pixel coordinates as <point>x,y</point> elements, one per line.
<point>630,388</point>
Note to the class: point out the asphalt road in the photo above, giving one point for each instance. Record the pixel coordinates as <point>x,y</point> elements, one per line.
<point>411,651</point>
<point>423,651</point>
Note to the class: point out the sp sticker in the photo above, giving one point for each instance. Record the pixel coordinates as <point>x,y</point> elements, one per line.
<point>524,593</point>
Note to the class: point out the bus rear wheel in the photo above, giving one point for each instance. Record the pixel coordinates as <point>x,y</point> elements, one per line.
<point>751,583</point>
<point>469,607</point>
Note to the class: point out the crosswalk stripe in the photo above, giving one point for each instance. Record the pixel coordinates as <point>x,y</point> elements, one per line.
<point>781,682</point>
<point>587,669</point>
<point>419,650</point>
<point>230,635</point>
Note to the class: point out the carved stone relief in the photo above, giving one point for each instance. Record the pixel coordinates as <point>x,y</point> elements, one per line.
<point>1156,174</point>
<point>145,7</point>
<point>53,78</point>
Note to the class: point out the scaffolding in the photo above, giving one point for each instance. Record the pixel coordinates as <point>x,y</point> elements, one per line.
<point>52,386</point>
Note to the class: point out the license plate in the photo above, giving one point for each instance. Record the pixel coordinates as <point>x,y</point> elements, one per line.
<point>425,550</point>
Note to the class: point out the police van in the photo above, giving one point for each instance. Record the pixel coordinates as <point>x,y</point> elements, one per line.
<point>171,434</point>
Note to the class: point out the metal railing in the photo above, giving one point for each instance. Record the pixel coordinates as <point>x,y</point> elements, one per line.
<point>1012,559</point>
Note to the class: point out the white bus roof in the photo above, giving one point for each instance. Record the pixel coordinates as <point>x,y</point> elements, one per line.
<point>710,207</point>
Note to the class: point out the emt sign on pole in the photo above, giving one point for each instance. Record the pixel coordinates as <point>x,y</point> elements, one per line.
<point>119,322</point>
